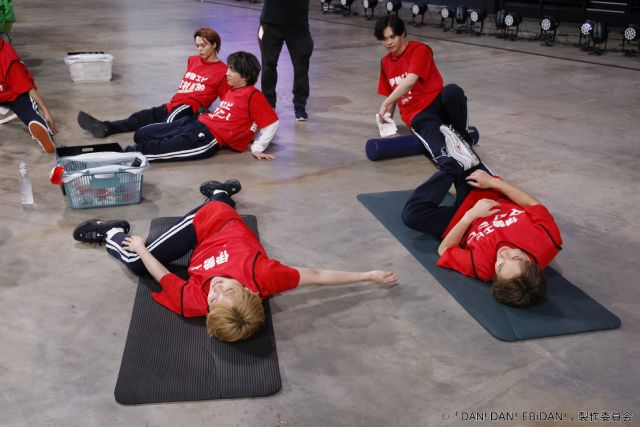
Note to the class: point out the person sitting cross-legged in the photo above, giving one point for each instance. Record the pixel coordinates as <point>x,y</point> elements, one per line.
<point>494,232</point>
<point>229,271</point>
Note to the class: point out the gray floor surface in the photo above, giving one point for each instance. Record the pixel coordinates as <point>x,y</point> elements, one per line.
<point>357,355</point>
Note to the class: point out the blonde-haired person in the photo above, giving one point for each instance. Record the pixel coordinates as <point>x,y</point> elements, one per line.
<point>229,271</point>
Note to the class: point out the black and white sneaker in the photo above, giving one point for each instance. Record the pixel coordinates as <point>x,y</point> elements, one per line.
<point>95,230</point>
<point>458,149</point>
<point>230,186</point>
<point>97,128</point>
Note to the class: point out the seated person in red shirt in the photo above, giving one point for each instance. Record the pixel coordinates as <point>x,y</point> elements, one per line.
<point>493,232</point>
<point>437,115</point>
<point>229,271</point>
<point>203,82</point>
<point>243,110</point>
<point>18,93</point>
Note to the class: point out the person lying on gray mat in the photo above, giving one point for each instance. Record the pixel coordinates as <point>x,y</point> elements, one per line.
<point>494,232</point>
<point>229,271</point>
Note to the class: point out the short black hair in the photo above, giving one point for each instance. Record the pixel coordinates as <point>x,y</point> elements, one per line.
<point>245,64</point>
<point>393,21</point>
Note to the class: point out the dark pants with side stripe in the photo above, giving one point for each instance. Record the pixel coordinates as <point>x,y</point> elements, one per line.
<point>184,139</point>
<point>149,116</point>
<point>449,108</point>
<point>171,245</point>
<point>27,110</point>
<point>300,46</point>
<point>424,210</point>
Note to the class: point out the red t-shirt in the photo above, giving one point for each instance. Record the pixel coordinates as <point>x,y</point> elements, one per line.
<point>531,229</point>
<point>202,83</point>
<point>225,247</point>
<point>241,112</point>
<point>15,78</point>
<point>417,59</point>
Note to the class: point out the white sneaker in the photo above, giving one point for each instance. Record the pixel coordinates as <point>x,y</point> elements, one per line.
<point>459,149</point>
<point>6,115</point>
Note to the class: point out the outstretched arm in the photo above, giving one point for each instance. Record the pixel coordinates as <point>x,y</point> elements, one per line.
<point>481,179</point>
<point>154,267</point>
<point>314,276</point>
<point>389,104</point>
<point>262,141</point>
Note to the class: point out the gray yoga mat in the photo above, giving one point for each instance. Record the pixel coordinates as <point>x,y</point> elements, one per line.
<point>566,309</point>
<point>168,358</point>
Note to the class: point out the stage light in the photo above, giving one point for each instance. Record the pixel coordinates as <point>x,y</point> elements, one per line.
<point>346,3</point>
<point>447,12</point>
<point>587,27</point>
<point>631,33</point>
<point>548,27</point>
<point>369,4</point>
<point>394,6</point>
<point>419,7</point>
<point>475,16</point>
<point>512,19</point>
<point>461,14</point>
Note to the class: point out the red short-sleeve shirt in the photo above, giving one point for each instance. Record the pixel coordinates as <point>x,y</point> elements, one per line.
<point>417,59</point>
<point>225,247</point>
<point>15,78</point>
<point>241,112</point>
<point>532,229</point>
<point>202,83</point>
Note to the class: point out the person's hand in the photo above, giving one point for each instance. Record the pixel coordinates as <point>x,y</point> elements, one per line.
<point>134,244</point>
<point>480,179</point>
<point>263,156</point>
<point>384,114</point>
<point>50,122</point>
<point>483,208</point>
<point>383,277</point>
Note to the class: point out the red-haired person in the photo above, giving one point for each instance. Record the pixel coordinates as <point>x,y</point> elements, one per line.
<point>19,94</point>
<point>229,270</point>
<point>203,82</point>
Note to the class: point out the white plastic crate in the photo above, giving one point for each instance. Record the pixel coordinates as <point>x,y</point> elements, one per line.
<point>90,67</point>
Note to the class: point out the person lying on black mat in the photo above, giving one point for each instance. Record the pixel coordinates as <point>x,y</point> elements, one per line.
<point>229,271</point>
<point>494,232</point>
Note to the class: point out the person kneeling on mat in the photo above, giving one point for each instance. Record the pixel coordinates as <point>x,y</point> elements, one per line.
<point>493,232</point>
<point>18,93</point>
<point>203,82</point>
<point>229,271</point>
<point>242,111</point>
<point>409,78</point>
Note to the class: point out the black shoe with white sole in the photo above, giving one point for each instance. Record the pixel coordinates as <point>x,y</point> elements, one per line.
<point>95,230</point>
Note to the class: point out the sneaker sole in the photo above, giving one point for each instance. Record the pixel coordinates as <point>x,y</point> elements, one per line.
<point>459,149</point>
<point>42,135</point>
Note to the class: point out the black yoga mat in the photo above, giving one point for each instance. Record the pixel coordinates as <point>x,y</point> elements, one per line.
<point>566,310</point>
<point>168,358</point>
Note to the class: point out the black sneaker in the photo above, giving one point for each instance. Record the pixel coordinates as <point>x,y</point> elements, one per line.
<point>301,115</point>
<point>231,186</point>
<point>95,230</point>
<point>97,128</point>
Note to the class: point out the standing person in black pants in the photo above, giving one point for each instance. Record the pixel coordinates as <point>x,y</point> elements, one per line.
<point>285,21</point>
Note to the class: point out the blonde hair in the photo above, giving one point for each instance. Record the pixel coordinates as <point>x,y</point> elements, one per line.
<point>238,320</point>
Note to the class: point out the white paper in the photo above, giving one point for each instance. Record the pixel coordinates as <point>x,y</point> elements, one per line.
<point>387,128</point>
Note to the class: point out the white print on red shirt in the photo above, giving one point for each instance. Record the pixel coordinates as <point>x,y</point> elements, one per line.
<point>192,82</point>
<point>499,221</point>
<point>223,111</point>
<point>395,81</point>
<point>211,262</point>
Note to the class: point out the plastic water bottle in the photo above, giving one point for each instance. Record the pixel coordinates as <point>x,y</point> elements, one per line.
<point>26,191</point>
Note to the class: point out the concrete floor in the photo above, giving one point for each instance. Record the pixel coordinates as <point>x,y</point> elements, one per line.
<point>357,355</point>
